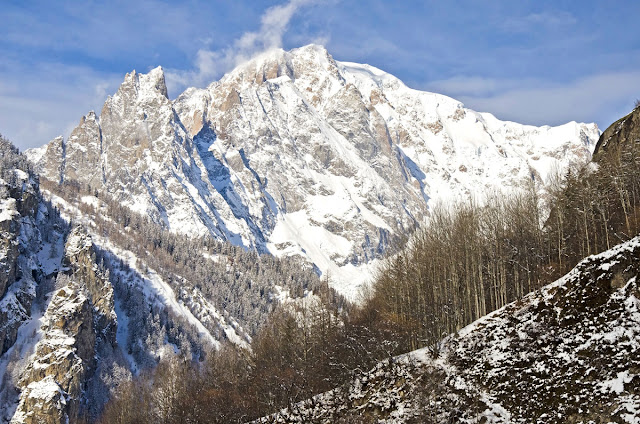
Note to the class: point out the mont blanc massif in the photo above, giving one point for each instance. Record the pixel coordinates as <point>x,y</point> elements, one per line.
<point>307,240</point>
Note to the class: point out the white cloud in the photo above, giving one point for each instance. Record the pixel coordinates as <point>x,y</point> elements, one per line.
<point>606,96</point>
<point>210,65</point>
<point>42,102</point>
<point>550,20</point>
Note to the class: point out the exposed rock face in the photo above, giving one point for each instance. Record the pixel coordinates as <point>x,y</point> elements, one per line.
<point>82,152</point>
<point>29,238</point>
<point>295,153</point>
<point>18,207</point>
<point>51,159</point>
<point>80,259</point>
<point>622,134</point>
<point>79,317</point>
<point>21,218</point>
<point>10,227</point>
<point>568,353</point>
<point>54,381</point>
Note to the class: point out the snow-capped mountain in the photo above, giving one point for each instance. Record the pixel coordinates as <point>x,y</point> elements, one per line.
<point>566,353</point>
<point>294,153</point>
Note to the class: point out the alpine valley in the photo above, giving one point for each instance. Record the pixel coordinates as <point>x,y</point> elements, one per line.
<point>260,231</point>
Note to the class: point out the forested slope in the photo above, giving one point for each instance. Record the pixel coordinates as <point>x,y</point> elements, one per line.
<point>470,260</point>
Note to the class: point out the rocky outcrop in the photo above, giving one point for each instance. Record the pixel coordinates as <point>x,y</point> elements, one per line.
<point>20,240</point>
<point>18,207</point>
<point>9,229</point>
<point>54,381</point>
<point>82,152</point>
<point>623,134</point>
<point>79,318</point>
<point>80,257</point>
<point>294,153</point>
<point>51,159</point>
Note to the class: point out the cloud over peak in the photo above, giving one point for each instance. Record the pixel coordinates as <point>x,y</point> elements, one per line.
<point>211,64</point>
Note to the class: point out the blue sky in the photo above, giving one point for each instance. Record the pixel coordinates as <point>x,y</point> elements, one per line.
<point>535,62</point>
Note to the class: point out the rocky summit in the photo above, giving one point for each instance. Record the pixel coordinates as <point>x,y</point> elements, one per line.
<point>297,154</point>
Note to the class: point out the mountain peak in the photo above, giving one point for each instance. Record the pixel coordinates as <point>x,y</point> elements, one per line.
<point>267,65</point>
<point>277,62</point>
<point>152,81</point>
<point>155,80</point>
<point>295,131</point>
<point>311,49</point>
<point>91,116</point>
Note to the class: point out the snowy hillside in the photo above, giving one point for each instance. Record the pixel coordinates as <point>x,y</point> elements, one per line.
<point>84,308</point>
<point>294,153</point>
<point>566,353</point>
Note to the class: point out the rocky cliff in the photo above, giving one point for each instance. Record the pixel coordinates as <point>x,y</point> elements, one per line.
<point>78,325</point>
<point>624,134</point>
<point>31,237</point>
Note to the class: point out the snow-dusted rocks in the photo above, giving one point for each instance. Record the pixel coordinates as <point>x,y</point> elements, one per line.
<point>77,326</point>
<point>294,153</point>
<point>53,383</point>
<point>624,134</point>
<point>21,222</point>
<point>568,353</point>
<point>29,241</point>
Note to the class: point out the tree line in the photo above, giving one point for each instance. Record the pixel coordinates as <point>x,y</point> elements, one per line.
<point>473,259</point>
<point>303,350</point>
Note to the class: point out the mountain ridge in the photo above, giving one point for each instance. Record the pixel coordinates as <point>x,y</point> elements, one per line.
<point>294,153</point>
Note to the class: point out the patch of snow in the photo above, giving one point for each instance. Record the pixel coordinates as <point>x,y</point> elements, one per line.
<point>91,200</point>
<point>122,336</point>
<point>8,209</point>
<point>616,385</point>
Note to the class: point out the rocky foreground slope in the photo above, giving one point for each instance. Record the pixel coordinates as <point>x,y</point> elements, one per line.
<point>294,153</point>
<point>568,353</point>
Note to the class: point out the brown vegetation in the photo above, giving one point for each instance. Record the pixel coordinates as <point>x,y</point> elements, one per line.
<point>472,260</point>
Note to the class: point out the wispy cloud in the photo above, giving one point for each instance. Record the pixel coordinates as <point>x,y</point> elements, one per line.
<point>211,64</point>
<point>41,102</point>
<point>605,95</point>
<point>556,19</point>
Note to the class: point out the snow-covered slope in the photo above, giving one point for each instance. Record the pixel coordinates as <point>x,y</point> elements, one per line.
<point>567,353</point>
<point>83,309</point>
<point>294,153</point>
